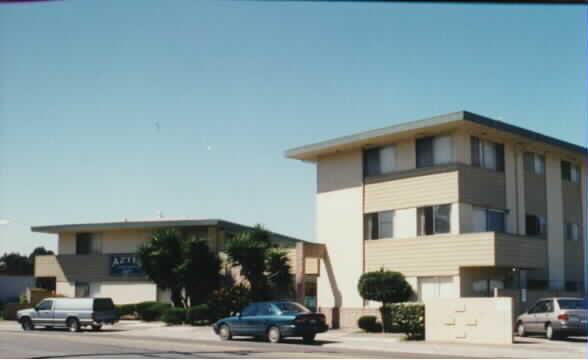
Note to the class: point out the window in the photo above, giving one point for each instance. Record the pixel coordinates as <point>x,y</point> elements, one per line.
<point>434,220</point>
<point>536,225</point>
<point>250,310</point>
<point>379,225</point>
<point>487,154</point>
<point>571,304</point>
<point>265,309</point>
<point>380,161</point>
<point>434,151</point>
<point>488,220</point>
<point>45,305</point>
<point>87,243</point>
<point>570,172</point>
<point>534,163</point>
<point>82,289</point>
<point>572,231</point>
<point>290,307</point>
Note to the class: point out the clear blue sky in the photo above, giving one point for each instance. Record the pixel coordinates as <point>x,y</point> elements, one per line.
<point>113,109</point>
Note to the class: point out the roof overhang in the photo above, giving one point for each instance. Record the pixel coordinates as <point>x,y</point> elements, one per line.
<point>427,127</point>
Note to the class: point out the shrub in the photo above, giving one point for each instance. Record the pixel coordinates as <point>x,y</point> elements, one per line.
<point>199,315</point>
<point>225,302</point>
<point>409,319</point>
<point>384,286</point>
<point>369,324</point>
<point>151,310</point>
<point>174,316</point>
<point>126,309</point>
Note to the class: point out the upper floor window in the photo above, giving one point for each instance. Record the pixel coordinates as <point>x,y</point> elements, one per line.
<point>487,154</point>
<point>572,231</point>
<point>570,172</point>
<point>535,163</point>
<point>380,161</point>
<point>536,225</point>
<point>379,225</point>
<point>434,219</point>
<point>87,243</point>
<point>489,220</point>
<point>434,150</point>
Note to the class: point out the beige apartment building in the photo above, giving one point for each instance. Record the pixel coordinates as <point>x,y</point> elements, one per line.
<point>100,259</point>
<point>459,203</point>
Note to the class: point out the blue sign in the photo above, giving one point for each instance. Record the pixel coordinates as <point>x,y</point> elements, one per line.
<point>125,265</point>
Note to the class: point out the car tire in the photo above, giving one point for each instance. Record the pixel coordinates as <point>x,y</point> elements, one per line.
<point>308,339</point>
<point>96,327</point>
<point>274,335</point>
<point>224,332</point>
<point>521,331</point>
<point>73,325</point>
<point>550,334</point>
<point>27,324</point>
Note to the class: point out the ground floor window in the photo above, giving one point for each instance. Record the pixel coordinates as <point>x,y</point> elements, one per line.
<point>437,287</point>
<point>82,289</point>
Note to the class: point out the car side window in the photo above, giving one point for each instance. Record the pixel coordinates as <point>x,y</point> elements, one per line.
<point>250,310</point>
<point>548,306</point>
<point>265,309</point>
<point>45,305</point>
<point>536,308</point>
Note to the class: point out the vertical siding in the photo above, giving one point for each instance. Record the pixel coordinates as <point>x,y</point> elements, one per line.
<point>535,194</point>
<point>412,192</point>
<point>67,243</point>
<point>573,250</point>
<point>555,229</point>
<point>406,155</point>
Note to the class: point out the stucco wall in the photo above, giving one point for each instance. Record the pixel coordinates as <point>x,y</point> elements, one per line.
<point>125,293</point>
<point>340,228</point>
<point>471,320</point>
<point>555,229</point>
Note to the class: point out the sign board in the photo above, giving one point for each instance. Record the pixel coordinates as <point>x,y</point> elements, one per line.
<point>125,265</point>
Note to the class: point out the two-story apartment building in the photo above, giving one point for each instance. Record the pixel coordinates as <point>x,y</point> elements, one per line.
<point>99,259</point>
<point>459,203</point>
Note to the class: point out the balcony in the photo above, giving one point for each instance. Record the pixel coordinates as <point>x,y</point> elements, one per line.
<point>445,254</point>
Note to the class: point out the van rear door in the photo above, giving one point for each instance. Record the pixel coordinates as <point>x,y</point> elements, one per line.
<point>104,311</point>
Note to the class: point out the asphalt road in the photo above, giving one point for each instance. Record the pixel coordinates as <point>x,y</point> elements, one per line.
<point>56,344</point>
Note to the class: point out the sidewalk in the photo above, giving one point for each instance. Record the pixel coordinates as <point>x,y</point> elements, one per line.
<point>356,340</point>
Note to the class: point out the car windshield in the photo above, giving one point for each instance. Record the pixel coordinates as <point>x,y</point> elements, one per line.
<point>289,307</point>
<point>572,304</point>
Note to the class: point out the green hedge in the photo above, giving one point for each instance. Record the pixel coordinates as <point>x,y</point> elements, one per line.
<point>126,309</point>
<point>199,315</point>
<point>408,318</point>
<point>369,324</point>
<point>151,310</point>
<point>227,301</point>
<point>174,316</point>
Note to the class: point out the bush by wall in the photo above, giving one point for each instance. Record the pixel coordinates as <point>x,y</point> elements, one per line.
<point>199,315</point>
<point>126,309</point>
<point>151,310</point>
<point>407,318</point>
<point>174,316</point>
<point>369,323</point>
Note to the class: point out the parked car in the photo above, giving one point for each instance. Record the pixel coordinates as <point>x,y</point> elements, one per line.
<point>274,320</point>
<point>71,313</point>
<point>554,317</point>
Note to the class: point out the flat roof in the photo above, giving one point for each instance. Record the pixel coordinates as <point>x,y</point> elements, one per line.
<point>149,224</point>
<point>310,152</point>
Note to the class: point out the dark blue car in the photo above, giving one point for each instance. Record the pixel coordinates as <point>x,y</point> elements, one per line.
<point>274,320</point>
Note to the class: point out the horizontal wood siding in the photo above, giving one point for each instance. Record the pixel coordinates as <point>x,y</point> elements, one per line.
<point>430,255</point>
<point>89,268</point>
<point>445,254</point>
<point>412,192</point>
<point>482,187</point>
<point>521,251</point>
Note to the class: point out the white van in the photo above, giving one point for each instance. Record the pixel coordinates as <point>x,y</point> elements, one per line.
<point>71,313</point>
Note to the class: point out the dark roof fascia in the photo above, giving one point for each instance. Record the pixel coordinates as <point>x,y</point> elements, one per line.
<point>433,121</point>
<point>535,136</point>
